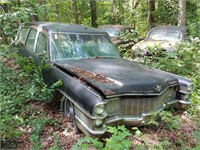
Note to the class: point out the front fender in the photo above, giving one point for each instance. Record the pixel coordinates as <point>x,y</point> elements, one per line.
<point>80,93</point>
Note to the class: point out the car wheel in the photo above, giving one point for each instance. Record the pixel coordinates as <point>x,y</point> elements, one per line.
<point>69,111</point>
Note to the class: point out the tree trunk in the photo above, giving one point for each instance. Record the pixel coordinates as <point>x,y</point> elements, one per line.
<point>93,12</point>
<point>74,6</point>
<point>152,8</point>
<point>121,11</point>
<point>4,7</point>
<point>113,12</point>
<point>182,14</point>
<point>134,4</point>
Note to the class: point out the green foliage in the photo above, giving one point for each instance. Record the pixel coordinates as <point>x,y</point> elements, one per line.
<point>165,117</point>
<point>133,13</point>
<point>167,12</point>
<point>163,144</point>
<point>130,35</point>
<point>37,125</point>
<point>9,22</point>
<point>193,17</point>
<point>18,87</point>
<point>182,61</point>
<point>58,11</point>
<point>87,142</point>
<point>196,135</point>
<point>117,141</point>
<point>194,29</point>
<point>37,89</point>
<point>138,133</point>
<point>171,121</point>
<point>131,38</point>
<point>139,17</point>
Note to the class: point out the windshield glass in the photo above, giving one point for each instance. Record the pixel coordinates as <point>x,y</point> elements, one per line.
<point>66,46</point>
<point>165,35</point>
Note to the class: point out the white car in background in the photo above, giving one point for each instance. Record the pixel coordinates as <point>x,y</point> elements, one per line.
<point>165,37</point>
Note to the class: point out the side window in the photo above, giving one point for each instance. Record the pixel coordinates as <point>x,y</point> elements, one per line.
<point>31,40</point>
<point>41,43</point>
<point>23,35</point>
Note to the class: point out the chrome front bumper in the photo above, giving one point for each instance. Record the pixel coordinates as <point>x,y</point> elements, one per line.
<point>127,120</point>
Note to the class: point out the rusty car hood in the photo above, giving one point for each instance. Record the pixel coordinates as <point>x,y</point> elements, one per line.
<point>118,76</point>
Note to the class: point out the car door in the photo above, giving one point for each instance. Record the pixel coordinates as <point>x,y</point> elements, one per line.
<point>41,51</point>
<point>29,46</point>
<point>42,58</point>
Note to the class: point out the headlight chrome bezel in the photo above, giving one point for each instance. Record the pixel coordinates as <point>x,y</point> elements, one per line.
<point>186,88</point>
<point>185,91</point>
<point>99,114</point>
<point>99,109</point>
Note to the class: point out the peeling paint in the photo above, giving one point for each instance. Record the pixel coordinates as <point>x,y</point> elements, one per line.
<point>84,74</point>
<point>109,92</point>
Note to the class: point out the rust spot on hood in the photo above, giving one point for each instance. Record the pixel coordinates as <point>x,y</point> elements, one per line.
<point>84,74</point>
<point>109,92</point>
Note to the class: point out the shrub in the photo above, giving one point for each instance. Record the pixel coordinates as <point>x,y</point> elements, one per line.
<point>19,85</point>
<point>117,141</point>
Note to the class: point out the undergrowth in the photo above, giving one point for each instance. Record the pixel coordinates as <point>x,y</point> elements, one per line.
<point>21,82</point>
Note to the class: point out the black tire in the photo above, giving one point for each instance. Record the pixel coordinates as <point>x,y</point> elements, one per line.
<point>69,111</point>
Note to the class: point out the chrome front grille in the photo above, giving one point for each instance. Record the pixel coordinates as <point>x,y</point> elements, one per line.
<point>136,105</point>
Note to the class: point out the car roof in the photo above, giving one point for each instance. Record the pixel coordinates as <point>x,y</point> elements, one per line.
<point>64,27</point>
<point>120,27</point>
<point>168,27</point>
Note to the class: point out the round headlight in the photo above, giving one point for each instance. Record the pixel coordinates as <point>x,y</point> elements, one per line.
<point>186,88</point>
<point>99,109</point>
<point>98,122</point>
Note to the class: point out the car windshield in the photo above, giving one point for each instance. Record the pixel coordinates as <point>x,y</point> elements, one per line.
<point>165,35</point>
<point>66,46</point>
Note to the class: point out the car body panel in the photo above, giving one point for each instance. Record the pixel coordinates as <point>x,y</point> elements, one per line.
<point>112,76</point>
